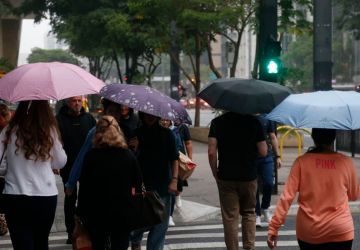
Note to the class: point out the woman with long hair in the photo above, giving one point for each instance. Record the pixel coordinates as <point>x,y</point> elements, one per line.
<point>33,149</point>
<point>325,181</point>
<point>109,174</point>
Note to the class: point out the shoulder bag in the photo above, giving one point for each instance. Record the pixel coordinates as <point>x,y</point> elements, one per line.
<point>147,209</point>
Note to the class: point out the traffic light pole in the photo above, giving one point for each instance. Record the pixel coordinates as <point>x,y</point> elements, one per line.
<point>322,44</point>
<point>267,32</point>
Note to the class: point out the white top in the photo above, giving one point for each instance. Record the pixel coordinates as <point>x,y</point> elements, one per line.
<point>29,177</point>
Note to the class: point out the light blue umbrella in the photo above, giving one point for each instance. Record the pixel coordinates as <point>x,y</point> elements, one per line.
<point>321,109</point>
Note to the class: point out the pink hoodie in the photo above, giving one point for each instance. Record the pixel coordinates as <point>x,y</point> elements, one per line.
<point>325,183</point>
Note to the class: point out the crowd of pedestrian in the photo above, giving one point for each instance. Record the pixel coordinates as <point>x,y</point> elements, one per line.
<point>107,159</point>
<point>244,146</point>
<point>124,151</point>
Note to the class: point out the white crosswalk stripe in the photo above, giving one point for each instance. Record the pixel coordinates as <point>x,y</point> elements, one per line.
<point>212,237</point>
<point>182,237</point>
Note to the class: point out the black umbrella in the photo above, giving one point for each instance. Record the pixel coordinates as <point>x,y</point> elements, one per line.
<point>244,96</point>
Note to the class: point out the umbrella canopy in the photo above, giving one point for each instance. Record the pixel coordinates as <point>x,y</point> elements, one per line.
<point>244,96</point>
<point>47,81</point>
<point>147,100</point>
<point>321,109</point>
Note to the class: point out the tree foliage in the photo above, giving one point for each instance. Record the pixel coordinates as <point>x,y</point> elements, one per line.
<point>103,31</point>
<point>5,8</point>
<point>233,18</point>
<point>293,18</point>
<point>349,16</point>
<point>52,55</point>
<point>5,65</point>
<point>298,63</point>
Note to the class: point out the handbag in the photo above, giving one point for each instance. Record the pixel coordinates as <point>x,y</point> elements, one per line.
<point>147,210</point>
<point>186,166</point>
<point>80,238</point>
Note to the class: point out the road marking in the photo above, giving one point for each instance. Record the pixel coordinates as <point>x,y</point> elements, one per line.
<point>211,245</point>
<point>220,235</point>
<point>183,233</point>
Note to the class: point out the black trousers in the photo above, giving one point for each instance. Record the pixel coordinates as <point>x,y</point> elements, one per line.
<point>342,245</point>
<point>69,210</point>
<point>29,219</point>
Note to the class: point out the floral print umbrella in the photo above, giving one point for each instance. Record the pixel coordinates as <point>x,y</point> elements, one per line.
<point>147,100</point>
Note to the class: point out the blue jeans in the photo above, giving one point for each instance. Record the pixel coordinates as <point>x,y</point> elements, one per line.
<point>265,168</point>
<point>156,237</point>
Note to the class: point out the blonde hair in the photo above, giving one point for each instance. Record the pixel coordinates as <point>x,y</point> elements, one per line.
<point>109,134</point>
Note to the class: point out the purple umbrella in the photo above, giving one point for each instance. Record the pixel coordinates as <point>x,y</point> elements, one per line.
<point>147,100</point>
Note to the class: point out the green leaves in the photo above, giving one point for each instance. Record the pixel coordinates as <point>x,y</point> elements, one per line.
<point>54,55</point>
<point>348,17</point>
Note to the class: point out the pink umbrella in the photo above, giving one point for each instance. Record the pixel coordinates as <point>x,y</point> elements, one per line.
<point>47,81</point>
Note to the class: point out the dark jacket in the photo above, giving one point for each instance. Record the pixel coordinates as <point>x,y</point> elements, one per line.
<point>73,130</point>
<point>105,187</point>
<point>156,153</point>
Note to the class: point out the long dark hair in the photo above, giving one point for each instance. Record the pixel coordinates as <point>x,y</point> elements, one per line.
<point>33,122</point>
<point>323,138</point>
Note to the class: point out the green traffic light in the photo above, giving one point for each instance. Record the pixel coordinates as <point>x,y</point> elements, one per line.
<point>272,67</point>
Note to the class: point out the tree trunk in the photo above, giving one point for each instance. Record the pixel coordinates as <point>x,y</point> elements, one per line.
<point>116,59</point>
<point>211,61</point>
<point>236,53</point>
<point>197,82</point>
<point>255,70</point>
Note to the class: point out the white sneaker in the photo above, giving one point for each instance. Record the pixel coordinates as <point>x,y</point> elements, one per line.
<point>258,221</point>
<point>178,202</point>
<point>267,215</point>
<point>171,222</point>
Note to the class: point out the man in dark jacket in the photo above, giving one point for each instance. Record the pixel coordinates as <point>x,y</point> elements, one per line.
<point>74,124</point>
<point>158,160</point>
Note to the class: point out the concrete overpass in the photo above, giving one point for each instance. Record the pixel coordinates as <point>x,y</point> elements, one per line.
<point>10,30</point>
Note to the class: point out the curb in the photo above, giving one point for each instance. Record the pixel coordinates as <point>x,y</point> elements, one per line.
<point>195,212</point>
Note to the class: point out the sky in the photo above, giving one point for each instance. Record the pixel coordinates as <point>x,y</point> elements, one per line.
<point>32,35</point>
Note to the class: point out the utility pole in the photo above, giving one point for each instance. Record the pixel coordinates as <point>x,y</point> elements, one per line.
<point>174,67</point>
<point>322,44</point>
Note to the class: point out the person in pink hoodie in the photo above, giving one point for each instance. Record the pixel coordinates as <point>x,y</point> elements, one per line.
<point>325,181</point>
